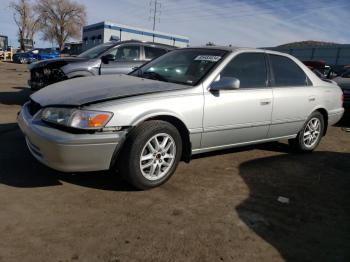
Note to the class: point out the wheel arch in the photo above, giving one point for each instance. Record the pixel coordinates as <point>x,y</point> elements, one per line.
<point>324,113</point>
<point>183,130</point>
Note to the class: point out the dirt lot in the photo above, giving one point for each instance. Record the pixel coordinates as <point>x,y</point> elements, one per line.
<point>217,208</point>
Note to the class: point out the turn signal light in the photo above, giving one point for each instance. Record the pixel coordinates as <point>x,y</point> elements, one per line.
<point>98,120</point>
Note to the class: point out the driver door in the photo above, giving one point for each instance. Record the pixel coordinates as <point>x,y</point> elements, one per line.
<point>239,115</point>
<point>126,57</point>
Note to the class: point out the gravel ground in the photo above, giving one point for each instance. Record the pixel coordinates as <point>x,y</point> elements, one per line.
<point>217,208</point>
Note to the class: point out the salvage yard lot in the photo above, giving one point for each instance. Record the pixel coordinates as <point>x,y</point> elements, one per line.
<point>217,208</point>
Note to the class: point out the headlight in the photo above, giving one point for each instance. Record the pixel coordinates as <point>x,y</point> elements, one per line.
<point>76,118</point>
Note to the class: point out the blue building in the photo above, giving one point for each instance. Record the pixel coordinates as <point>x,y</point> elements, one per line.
<point>106,31</point>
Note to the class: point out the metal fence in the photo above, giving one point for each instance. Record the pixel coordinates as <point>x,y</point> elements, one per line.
<point>333,56</point>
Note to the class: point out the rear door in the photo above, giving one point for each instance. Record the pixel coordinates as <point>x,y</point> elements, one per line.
<point>294,96</point>
<point>242,115</point>
<point>126,57</point>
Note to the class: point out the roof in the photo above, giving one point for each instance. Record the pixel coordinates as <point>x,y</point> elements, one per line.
<point>230,48</point>
<point>246,49</point>
<point>143,42</point>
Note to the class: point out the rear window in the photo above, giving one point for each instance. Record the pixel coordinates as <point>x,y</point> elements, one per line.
<point>286,72</point>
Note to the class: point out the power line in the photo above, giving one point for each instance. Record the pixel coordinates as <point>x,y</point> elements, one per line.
<point>155,11</point>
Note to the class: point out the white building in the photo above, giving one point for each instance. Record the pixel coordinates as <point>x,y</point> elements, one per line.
<point>106,31</point>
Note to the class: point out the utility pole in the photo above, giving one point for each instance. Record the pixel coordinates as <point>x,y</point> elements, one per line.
<point>155,11</point>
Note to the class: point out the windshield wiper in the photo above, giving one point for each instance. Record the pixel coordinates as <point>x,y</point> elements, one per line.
<point>155,76</point>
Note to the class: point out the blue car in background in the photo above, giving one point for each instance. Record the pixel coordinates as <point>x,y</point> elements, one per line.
<point>35,55</point>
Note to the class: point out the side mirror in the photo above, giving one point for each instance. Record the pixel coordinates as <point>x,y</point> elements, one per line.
<point>106,58</point>
<point>225,83</point>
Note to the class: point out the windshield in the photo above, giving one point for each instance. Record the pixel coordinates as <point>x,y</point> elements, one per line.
<point>96,51</point>
<point>184,66</point>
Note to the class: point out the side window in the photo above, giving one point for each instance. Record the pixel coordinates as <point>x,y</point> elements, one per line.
<point>126,53</point>
<point>153,52</point>
<point>286,72</point>
<point>113,52</point>
<point>249,68</point>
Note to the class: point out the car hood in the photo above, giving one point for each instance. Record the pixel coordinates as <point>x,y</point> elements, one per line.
<point>59,62</point>
<point>87,90</point>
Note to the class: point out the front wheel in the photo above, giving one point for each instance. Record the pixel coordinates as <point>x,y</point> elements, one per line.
<point>310,135</point>
<point>151,154</point>
<point>23,60</point>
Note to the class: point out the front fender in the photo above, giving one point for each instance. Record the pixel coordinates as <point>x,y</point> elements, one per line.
<point>79,74</point>
<point>84,68</point>
<point>155,113</point>
<point>134,110</point>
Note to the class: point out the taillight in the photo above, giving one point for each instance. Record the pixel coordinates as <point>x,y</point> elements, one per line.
<point>342,98</point>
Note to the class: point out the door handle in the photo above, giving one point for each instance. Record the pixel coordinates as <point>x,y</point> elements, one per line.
<point>265,102</point>
<point>312,98</point>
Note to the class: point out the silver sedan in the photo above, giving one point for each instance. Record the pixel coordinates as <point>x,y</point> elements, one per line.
<point>186,102</point>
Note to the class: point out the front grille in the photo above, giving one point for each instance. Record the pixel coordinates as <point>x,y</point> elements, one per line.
<point>34,107</point>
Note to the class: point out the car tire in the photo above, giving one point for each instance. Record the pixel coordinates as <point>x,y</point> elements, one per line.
<point>310,135</point>
<point>160,145</point>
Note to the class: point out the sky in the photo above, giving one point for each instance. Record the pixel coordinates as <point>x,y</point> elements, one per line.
<point>249,23</point>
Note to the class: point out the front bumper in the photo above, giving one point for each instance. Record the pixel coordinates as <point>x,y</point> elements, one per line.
<point>35,85</point>
<point>41,77</point>
<point>69,152</point>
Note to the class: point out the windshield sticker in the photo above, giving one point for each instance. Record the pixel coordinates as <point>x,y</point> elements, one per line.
<point>211,58</point>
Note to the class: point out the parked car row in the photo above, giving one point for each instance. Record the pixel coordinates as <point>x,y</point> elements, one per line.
<point>184,102</point>
<point>109,58</point>
<point>34,55</point>
<point>343,81</point>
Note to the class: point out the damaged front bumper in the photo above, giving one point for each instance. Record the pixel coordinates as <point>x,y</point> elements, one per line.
<point>35,85</point>
<point>41,77</point>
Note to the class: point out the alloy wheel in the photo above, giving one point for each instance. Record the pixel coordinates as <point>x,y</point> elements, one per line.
<point>312,132</point>
<point>157,156</point>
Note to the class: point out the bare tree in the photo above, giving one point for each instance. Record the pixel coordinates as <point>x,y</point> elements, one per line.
<point>25,20</point>
<point>60,20</point>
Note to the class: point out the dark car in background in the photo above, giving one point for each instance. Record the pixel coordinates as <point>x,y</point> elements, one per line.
<point>344,82</point>
<point>320,68</point>
<point>34,55</point>
<point>116,57</point>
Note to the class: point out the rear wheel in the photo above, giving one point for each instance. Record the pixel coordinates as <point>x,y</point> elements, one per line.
<point>310,135</point>
<point>151,154</point>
